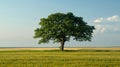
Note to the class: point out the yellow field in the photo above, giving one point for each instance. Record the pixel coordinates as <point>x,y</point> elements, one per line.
<point>52,57</point>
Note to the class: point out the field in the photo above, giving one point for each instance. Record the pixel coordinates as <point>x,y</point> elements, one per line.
<point>82,57</point>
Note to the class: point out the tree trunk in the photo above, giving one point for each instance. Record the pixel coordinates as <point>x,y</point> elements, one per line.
<point>62,45</point>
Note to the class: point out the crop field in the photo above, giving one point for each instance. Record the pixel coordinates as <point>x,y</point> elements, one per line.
<point>56,58</point>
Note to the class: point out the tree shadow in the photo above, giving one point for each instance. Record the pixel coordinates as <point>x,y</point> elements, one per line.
<point>91,51</point>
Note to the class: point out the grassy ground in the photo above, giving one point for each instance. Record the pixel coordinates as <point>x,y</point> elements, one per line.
<point>55,58</point>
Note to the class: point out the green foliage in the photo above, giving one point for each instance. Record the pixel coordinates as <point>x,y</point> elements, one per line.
<point>59,27</point>
<point>59,59</point>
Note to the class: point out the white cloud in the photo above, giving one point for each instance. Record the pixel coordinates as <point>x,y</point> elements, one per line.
<point>99,29</point>
<point>98,20</point>
<point>114,18</point>
<point>107,24</point>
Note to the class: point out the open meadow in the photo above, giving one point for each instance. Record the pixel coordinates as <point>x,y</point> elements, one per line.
<point>71,57</point>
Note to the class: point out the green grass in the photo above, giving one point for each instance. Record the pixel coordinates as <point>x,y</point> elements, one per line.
<point>55,58</point>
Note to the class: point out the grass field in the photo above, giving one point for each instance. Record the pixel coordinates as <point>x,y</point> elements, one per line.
<point>56,58</point>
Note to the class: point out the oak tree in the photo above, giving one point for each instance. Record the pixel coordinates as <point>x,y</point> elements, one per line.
<point>60,27</point>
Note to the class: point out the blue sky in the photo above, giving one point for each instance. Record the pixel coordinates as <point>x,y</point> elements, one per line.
<point>19,19</point>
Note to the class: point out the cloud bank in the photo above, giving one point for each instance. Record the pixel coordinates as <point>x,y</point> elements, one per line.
<point>101,27</point>
<point>98,20</point>
<point>114,18</point>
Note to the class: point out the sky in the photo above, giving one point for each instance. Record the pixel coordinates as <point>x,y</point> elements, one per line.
<point>19,19</point>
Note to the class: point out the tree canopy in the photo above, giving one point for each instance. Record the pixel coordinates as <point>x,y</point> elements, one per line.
<point>60,27</point>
